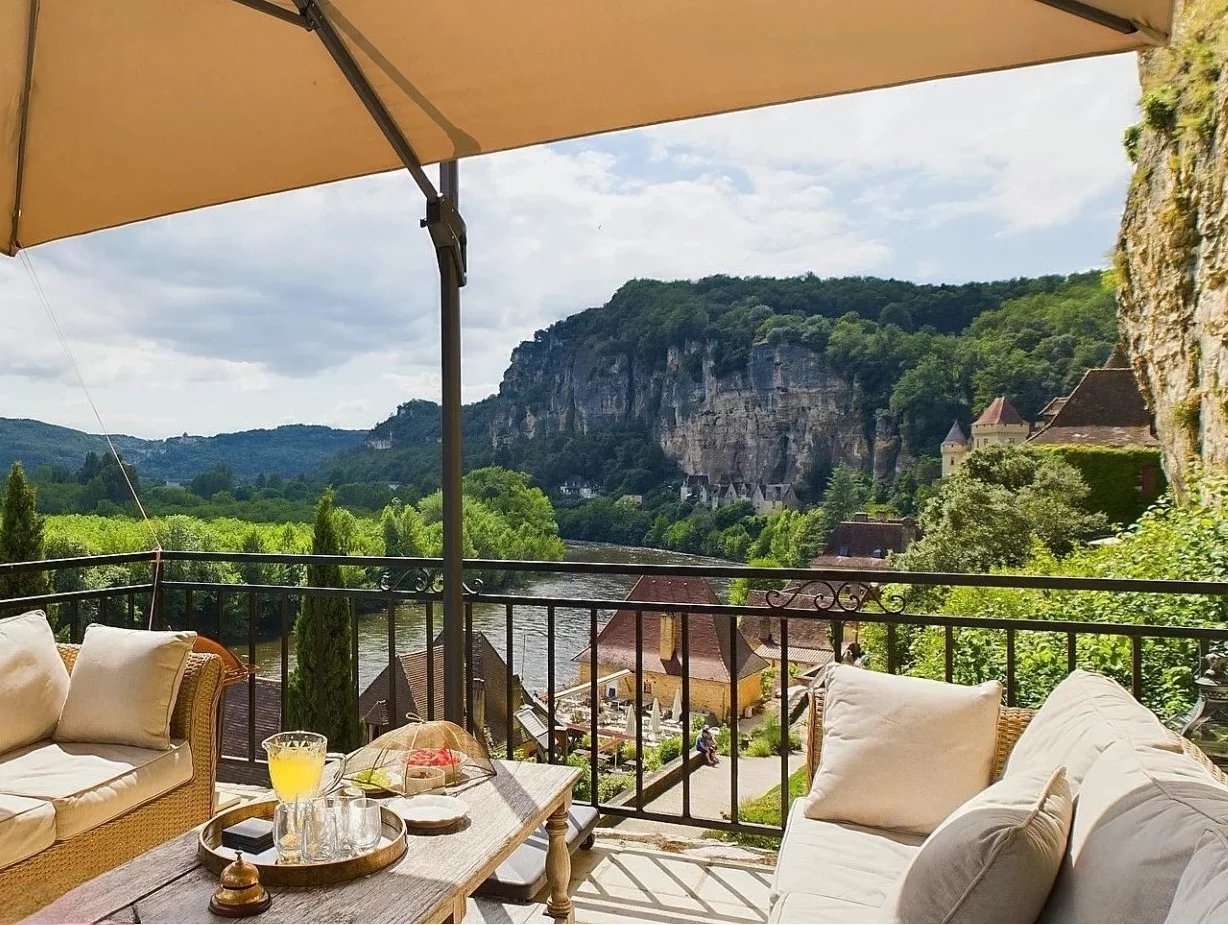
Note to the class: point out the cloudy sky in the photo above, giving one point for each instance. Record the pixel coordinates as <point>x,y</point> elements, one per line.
<point>319,306</point>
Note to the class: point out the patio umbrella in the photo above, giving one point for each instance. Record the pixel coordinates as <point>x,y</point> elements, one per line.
<point>676,710</point>
<point>654,719</point>
<point>631,726</point>
<point>115,112</point>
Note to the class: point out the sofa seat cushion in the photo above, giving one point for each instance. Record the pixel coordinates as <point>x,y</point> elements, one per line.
<point>838,861</point>
<point>821,910</point>
<point>90,784</point>
<point>1202,893</point>
<point>27,826</point>
<point>1083,716</point>
<point>1138,819</point>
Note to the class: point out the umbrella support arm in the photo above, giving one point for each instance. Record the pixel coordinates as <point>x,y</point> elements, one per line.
<point>447,230</point>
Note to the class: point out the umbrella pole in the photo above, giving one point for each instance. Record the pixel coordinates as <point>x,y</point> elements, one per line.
<point>450,274</point>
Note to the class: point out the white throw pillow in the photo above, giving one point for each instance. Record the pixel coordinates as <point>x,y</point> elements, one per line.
<point>901,753</point>
<point>994,859</point>
<point>123,687</point>
<point>1140,813</point>
<point>33,680</point>
<point>1202,893</point>
<point>1083,716</point>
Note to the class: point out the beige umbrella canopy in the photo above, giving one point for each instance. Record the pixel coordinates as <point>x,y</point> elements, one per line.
<point>111,112</point>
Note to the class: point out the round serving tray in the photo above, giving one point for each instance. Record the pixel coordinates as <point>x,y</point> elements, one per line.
<point>214,856</point>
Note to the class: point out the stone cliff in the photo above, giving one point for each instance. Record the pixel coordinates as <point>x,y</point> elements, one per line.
<point>1172,257</point>
<point>774,418</point>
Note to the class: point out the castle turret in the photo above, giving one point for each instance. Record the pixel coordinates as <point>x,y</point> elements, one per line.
<point>954,448</point>
<point>999,423</point>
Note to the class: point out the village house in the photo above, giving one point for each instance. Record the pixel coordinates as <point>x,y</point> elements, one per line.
<point>864,543</point>
<point>764,497</point>
<point>999,423</point>
<point>718,651</point>
<point>413,697</point>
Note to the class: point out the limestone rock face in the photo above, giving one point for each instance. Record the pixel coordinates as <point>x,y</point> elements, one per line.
<point>772,419</point>
<point>1172,257</point>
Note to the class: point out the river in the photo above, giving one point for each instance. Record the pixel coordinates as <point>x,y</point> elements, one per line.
<point>571,626</point>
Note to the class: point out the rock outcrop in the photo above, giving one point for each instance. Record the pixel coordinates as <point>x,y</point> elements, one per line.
<point>773,419</point>
<point>1172,256</point>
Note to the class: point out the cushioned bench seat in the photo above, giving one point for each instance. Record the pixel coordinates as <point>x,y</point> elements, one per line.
<point>87,784</point>
<point>27,826</point>
<point>837,867</point>
<point>523,875</point>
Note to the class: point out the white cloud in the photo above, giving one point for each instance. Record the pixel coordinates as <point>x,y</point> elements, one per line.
<point>321,305</point>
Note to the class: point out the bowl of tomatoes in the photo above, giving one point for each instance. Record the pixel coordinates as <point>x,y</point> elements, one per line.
<point>442,758</point>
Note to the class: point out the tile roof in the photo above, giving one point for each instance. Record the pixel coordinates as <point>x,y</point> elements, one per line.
<point>412,690</point>
<point>717,649</point>
<point>1105,409</point>
<point>234,727</point>
<point>955,434</point>
<point>1000,411</point>
<point>867,541</point>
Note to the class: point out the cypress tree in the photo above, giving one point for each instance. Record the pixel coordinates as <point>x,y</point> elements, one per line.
<point>320,692</point>
<point>21,537</point>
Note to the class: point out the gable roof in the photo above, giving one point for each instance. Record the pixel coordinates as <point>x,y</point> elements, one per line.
<point>718,651</point>
<point>412,691</point>
<point>1000,411</point>
<point>1105,409</point>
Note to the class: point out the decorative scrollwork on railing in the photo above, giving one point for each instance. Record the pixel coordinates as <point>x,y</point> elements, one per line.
<point>422,581</point>
<point>828,595</point>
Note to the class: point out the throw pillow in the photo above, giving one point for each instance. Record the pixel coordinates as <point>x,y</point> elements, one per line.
<point>123,687</point>
<point>33,680</point>
<point>901,753</point>
<point>994,859</point>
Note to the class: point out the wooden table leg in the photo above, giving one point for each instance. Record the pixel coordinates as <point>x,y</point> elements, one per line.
<point>460,906</point>
<point>558,864</point>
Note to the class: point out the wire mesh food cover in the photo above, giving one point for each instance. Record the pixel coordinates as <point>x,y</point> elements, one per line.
<point>421,755</point>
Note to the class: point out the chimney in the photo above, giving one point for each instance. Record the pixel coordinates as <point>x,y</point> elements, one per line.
<point>669,636</point>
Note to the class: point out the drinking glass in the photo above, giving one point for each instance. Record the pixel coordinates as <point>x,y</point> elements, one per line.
<point>320,830</point>
<point>296,765</point>
<point>365,824</point>
<point>288,832</point>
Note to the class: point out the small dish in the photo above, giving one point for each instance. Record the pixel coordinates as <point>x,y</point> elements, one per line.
<point>429,811</point>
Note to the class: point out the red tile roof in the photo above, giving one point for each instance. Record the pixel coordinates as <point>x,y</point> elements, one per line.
<point>1000,411</point>
<point>717,649</point>
<point>1105,409</point>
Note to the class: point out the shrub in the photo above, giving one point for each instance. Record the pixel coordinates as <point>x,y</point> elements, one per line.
<point>670,749</point>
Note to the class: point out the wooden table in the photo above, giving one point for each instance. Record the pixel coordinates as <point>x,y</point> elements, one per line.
<point>431,883</point>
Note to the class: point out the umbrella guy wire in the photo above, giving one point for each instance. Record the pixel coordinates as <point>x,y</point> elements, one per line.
<point>41,294</point>
<point>448,235</point>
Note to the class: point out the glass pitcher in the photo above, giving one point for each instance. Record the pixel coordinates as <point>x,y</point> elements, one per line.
<point>296,765</point>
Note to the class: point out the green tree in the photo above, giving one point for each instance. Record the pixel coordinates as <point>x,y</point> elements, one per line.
<point>320,693</point>
<point>1002,504</point>
<point>21,536</point>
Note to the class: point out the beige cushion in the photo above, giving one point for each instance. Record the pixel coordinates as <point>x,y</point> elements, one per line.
<point>994,859</point>
<point>841,862</point>
<point>90,784</point>
<point>1202,892</point>
<point>33,680</point>
<point>26,827</point>
<point>1083,716</point>
<point>1140,813</point>
<point>902,753</point>
<point>819,910</point>
<point>123,687</point>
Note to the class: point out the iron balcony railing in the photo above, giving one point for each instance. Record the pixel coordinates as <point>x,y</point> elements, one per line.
<point>394,604</point>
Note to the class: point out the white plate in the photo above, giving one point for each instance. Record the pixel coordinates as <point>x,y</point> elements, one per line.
<point>429,811</point>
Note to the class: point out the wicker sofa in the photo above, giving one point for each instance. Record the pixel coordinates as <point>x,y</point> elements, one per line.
<point>29,884</point>
<point>837,872</point>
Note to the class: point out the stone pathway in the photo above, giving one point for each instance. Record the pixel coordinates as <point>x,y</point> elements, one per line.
<point>710,792</point>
